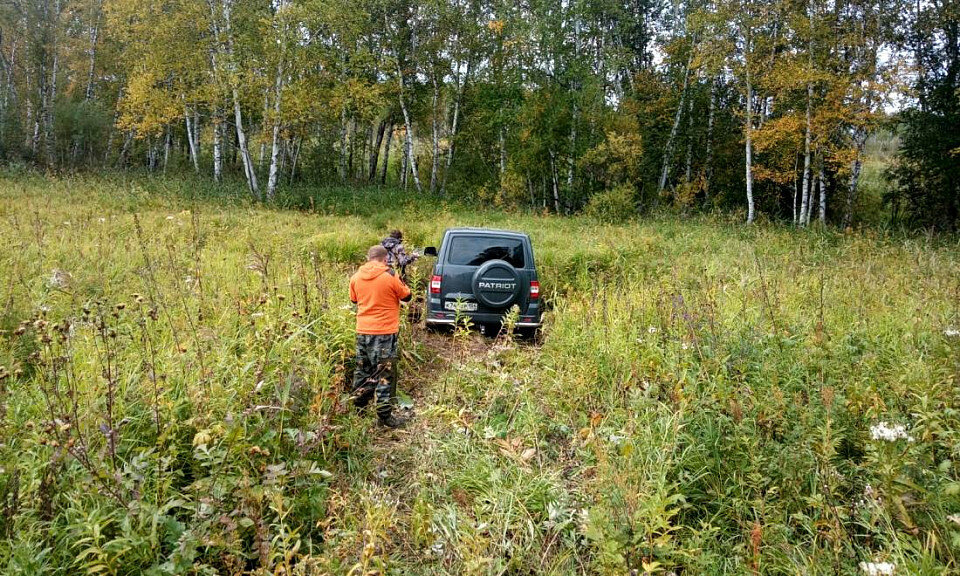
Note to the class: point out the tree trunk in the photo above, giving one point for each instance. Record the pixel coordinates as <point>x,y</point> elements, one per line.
<point>94,37</point>
<point>860,140</point>
<point>748,136</point>
<point>668,148</point>
<point>807,168</point>
<point>823,194</point>
<point>244,150</point>
<point>708,168</point>
<point>296,157</point>
<point>386,154</point>
<point>454,125</point>
<point>690,141</point>
<point>556,183</point>
<point>242,146</point>
<point>166,149</point>
<point>375,151</point>
<point>342,166</point>
<point>275,141</point>
<point>435,137</point>
<point>218,146</point>
<point>571,160</point>
<point>503,153</point>
<point>351,145</point>
<point>411,155</point>
<point>191,143</point>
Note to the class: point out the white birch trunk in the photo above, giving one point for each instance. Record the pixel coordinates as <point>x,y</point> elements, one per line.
<point>503,152</point>
<point>218,147</point>
<point>244,149</point>
<point>454,125</point>
<point>275,142</point>
<point>807,169</point>
<point>708,169</point>
<point>668,148</point>
<point>823,194</point>
<point>411,155</point>
<point>94,37</point>
<point>435,155</point>
<point>190,142</point>
<point>166,149</point>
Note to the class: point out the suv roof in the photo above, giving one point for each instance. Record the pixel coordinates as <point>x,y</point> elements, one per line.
<point>496,231</point>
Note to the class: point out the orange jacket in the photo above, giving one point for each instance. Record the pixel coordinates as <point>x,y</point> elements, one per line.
<point>377,294</point>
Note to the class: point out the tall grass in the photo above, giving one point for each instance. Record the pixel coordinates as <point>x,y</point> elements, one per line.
<point>173,403</point>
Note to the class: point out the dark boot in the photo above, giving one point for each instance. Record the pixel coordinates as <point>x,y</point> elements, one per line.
<point>393,421</point>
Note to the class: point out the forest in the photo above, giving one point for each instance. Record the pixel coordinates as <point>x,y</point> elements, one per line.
<point>743,219</point>
<point>614,106</point>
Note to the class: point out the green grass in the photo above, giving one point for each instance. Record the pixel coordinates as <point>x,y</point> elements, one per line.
<point>172,401</point>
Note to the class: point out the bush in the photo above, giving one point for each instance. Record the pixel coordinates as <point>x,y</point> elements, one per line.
<point>614,205</point>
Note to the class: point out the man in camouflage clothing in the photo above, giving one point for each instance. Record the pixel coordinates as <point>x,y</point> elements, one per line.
<point>397,256</point>
<point>377,292</point>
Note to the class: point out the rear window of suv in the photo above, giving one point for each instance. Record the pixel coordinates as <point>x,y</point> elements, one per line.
<point>475,250</point>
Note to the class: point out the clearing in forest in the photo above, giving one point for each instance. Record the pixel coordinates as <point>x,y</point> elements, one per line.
<point>708,397</point>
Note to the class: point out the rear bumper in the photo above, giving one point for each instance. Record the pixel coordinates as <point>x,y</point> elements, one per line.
<point>485,318</point>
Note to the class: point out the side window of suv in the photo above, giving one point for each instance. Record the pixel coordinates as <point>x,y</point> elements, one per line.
<point>475,250</point>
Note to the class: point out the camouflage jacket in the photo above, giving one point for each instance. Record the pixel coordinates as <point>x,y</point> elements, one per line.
<point>396,255</point>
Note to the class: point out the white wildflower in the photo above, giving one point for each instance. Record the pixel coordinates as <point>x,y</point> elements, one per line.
<point>101,220</point>
<point>951,332</point>
<point>955,518</point>
<point>877,568</point>
<point>437,548</point>
<point>685,346</point>
<point>617,439</point>
<point>652,329</point>
<point>887,433</point>
<point>489,433</point>
<point>169,217</point>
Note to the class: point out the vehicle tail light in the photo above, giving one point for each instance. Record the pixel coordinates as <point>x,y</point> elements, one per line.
<point>435,284</point>
<point>534,289</point>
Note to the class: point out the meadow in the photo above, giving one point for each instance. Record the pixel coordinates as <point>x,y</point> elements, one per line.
<point>706,398</point>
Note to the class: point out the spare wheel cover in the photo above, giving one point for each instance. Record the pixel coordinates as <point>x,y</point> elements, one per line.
<point>496,284</point>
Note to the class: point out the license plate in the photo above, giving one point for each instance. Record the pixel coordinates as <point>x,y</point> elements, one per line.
<point>463,306</point>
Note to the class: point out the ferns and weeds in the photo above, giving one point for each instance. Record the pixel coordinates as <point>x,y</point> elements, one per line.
<point>705,399</point>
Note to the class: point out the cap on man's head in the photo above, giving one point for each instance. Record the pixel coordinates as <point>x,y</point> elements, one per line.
<point>377,252</point>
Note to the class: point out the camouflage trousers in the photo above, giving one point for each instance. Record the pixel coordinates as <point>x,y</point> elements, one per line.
<point>376,373</point>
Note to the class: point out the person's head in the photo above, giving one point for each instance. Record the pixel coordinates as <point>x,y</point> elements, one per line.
<point>396,234</point>
<point>377,254</point>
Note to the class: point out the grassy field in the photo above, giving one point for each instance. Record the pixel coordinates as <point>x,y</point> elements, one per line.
<point>708,398</point>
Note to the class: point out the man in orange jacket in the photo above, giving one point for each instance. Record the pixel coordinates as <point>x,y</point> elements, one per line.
<point>377,292</point>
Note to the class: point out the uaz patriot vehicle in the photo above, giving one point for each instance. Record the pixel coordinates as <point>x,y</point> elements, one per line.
<point>483,273</point>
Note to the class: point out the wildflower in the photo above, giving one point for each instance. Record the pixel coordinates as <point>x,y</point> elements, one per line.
<point>685,346</point>
<point>955,518</point>
<point>652,329</point>
<point>888,433</point>
<point>617,439</point>
<point>951,332</point>
<point>877,568</point>
<point>101,220</point>
<point>169,217</point>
